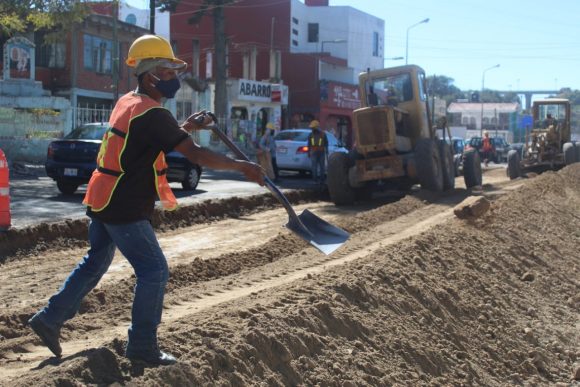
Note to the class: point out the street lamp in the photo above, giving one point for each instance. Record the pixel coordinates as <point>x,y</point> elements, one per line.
<point>331,41</point>
<point>407,45</point>
<point>481,97</point>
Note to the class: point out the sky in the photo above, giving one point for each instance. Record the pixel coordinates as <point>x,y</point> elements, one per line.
<point>535,42</point>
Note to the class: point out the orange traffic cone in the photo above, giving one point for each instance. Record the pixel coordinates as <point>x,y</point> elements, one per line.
<point>4,193</point>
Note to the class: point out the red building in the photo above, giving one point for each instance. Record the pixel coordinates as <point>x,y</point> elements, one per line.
<point>82,67</point>
<point>280,42</point>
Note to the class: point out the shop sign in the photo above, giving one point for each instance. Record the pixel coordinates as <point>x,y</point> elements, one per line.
<point>254,91</point>
<point>280,93</point>
<point>342,96</point>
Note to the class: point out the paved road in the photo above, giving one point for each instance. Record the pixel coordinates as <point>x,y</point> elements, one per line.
<point>35,198</point>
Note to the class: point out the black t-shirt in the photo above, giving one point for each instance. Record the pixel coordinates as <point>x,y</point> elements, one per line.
<point>135,194</point>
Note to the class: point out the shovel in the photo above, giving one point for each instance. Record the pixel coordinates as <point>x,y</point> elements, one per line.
<point>319,233</point>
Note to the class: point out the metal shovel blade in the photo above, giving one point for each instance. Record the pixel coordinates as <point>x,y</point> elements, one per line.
<point>318,232</point>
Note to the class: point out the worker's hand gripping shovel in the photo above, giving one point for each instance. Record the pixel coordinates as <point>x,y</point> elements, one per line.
<point>319,233</point>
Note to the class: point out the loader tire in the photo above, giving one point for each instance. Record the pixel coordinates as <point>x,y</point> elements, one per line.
<point>577,147</point>
<point>341,193</point>
<point>569,153</point>
<point>513,164</point>
<point>447,165</point>
<point>428,162</point>
<point>472,169</point>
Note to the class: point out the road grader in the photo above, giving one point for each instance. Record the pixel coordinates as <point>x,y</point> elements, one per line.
<point>395,143</point>
<point>548,145</point>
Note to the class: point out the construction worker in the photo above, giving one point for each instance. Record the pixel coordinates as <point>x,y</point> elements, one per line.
<point>268,145</point>
<point>317,151</point>
<point>549,121</point>
<point>121,195</point>
<point>486,148</point>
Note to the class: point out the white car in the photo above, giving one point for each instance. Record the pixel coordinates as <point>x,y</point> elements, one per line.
<point>292,149</point>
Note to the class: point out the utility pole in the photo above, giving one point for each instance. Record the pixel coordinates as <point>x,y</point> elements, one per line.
<point>221,103</point>
<point>152,17</point>
<point>115,52</point>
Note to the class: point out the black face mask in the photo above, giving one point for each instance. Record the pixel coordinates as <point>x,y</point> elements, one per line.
<point>167,88</point>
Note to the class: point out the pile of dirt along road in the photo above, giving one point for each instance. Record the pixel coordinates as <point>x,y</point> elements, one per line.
<point>16,243</point>
<point>488,301</point>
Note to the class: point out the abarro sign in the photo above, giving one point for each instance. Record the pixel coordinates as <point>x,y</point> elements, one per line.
<point>254,91</point>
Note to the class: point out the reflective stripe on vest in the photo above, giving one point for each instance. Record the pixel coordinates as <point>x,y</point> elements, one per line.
<point>109,170</point>
<point>314,147</point>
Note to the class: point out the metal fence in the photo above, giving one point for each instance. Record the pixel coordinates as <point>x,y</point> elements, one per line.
<point>84,114</point>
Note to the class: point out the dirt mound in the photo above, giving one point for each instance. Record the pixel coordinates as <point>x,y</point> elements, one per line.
<point>488,301</point>
<point>16,243</point>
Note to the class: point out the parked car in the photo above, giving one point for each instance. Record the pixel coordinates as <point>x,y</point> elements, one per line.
<point>292,149</point>
<point>71,160</point>
<point>502,148</point>
<point>500,145</point>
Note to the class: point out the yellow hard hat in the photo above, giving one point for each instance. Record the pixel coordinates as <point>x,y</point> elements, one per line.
<point>270,125</point>
<point>314,124</point>
<point>152,47</point>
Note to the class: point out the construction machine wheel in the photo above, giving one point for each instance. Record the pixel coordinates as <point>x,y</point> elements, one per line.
<point>447,165</point>
<point>364,194</point>
<point>513,164</point>
<point>341,193</point>
<point>472,169</point>
<point>569,153</point>
<point>577,147</point>
<point>428,161</point>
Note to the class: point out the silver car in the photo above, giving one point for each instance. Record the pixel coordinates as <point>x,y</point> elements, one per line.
<point>292,149</point>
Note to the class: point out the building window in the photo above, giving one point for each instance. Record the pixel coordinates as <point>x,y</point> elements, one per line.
<point>312,32</point>
<point>294,31</point>
<point>97,54</point>
<point>294,20</point>
<point>50,55</point>
<point>294,42</point>
<point>376,44</point>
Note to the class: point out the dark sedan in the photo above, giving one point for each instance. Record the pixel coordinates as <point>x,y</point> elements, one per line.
<point>72,160</point>
<point>500,148</point>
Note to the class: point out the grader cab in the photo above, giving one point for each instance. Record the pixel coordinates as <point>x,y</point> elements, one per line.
<point>394,141</point>
<point>548,145</point>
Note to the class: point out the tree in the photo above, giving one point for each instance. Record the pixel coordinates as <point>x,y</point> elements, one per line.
<point>442,86</point>
<point>54,16</point>
<point>216,8</point>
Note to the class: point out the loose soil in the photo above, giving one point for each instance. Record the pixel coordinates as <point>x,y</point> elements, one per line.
<point>415,297</point>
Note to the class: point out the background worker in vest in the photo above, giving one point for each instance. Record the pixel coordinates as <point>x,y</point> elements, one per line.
<point>121,197</point>
<point>267,144</point>
<point>487,148</point>
<point>318,152</point>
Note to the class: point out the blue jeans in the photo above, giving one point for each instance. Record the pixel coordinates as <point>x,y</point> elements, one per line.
<point>138,243</point>
<point>318,160</point>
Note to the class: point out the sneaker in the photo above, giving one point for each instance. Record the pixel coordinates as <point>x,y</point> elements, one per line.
<point>153,358</point>
<point>48,335</point>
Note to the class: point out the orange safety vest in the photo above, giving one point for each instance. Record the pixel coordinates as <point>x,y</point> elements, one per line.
<point>109,170</point>
<point>487,145</point>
